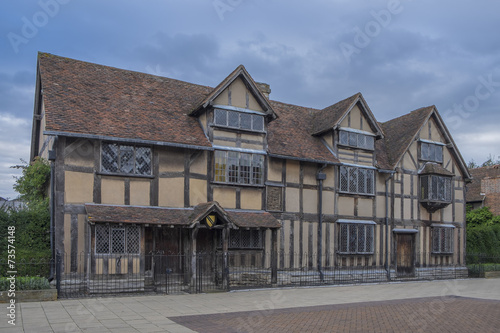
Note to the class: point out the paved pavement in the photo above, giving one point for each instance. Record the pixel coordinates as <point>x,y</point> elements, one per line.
<point>470,305</point>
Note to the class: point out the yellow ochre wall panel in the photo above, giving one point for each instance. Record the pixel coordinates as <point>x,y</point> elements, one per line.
<point>79,187</point>
<point>112,191</point>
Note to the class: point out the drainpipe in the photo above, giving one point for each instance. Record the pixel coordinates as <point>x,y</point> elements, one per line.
<point>387,268</point>
<point>52,159</point>
<point>320,176</point>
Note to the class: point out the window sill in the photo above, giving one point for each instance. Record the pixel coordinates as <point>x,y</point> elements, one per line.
<point>127,175</point>
<point>349,194</point>
<point>234,129</point>
<point>355,254</point>
<point>358,148</point>
<point>237,184</point>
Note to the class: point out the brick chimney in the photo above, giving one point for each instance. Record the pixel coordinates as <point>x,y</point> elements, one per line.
<point>264,88</point>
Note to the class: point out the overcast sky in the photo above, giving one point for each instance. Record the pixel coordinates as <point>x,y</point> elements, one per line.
<point>401,55</point>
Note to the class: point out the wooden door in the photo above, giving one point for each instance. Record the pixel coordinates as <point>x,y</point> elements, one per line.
<point>405,255</point>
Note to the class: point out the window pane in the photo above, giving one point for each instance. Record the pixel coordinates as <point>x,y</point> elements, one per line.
<point>101,238</point>
<point>245,161</point>
<point>233,119</point>
<point>233,162</point>
<point>369,238</point>
<point>257,169</point>
<point>370,142</point>
<point>220,117</point>
<point>424,149</point>
<point>344,177</point>
<point>424,184</point>
<point>220,166</point>
<point>143,161</point>
<point>109,161</point>
<point>432,152</point>
<point>361,181</point>
<point>361,141</point>
<point>133,239</point>
<point>361,238</point>
<point>245,121</point>
<point>258,123</point>
<point>434,188</point>
<point>353,139</point>
<point>353,180</point>
<point>344,233</point>
<point>256,239</point>
<point>344,138</point>
<point>234,239</point>
<point>353,238</point>
<point>117,240</point>
<point>439,153</point>
<point>245,238</point>
<point>436,237</point>
<point>127,159</point>
<point>369,181</point>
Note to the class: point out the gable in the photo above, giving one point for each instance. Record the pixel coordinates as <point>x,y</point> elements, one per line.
<point>356,119</point>
<point>237,94</point>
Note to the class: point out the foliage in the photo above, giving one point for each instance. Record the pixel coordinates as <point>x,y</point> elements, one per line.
<point>489,162</point>
<point>484,239</point>
<point>25,283</point>
<point>33,183</point>
<point>479,216</point>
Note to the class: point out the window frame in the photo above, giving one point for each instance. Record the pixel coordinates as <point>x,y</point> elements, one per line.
<point>119,157</point>
<point>442,240</point>
<point>260,127</point>
<point>239,168</point>
<point>350,244</point>
<point>352,139</point>
<point>433,184</point>
<point>127,242</point>
<point>433,146</point>
<point>353,173</point>
<point>235,236</point>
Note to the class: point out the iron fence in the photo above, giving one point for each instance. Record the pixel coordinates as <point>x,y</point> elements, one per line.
<point>84,275</point>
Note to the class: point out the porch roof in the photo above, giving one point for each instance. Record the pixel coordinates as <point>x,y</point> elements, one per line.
<point>185,217</point>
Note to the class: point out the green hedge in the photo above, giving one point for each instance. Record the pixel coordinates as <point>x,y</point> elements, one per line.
<point>484,239</point>
<point>25,283</point>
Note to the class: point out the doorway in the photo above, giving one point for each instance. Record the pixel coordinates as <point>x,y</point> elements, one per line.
<point>405,250</point>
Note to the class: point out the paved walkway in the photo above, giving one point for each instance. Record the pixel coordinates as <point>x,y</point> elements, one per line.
<point>439,306</point>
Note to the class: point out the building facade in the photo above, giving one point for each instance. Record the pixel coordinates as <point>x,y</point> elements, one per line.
<point>144,164</point>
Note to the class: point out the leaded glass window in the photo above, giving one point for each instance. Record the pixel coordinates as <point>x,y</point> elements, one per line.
<point>431,152</point>
<point>117,239</point>
<point>239,168</point>
<point>126,159</point>
<point>245,239</point>
<point>357,180</point>
<point>435,188</point>
<point>356,238</point>
<point>442,240</point>
<point>356,140</point>
<point>239,120</point>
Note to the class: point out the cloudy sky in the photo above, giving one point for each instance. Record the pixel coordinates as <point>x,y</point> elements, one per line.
<point>401,55</point>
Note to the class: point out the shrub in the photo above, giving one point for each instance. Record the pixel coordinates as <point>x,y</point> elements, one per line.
<point>25,283</point>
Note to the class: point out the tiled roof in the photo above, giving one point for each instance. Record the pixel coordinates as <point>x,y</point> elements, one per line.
<point>433,168</point>
<point>177,216</point>
<point>474,187</point>
<point>85,98</point>
<point>399,133</point>
<point>328,117</point>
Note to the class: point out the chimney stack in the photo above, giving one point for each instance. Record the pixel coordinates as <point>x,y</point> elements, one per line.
<point>264,88</point>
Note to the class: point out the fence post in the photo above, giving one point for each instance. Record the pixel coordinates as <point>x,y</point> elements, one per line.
<point>58,272</point>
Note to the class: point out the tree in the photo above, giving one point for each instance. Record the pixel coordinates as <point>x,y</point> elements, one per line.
<point>491,160</point>
<point>33,183</point>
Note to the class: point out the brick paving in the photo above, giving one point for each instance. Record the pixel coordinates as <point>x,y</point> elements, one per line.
<point>429,314</point>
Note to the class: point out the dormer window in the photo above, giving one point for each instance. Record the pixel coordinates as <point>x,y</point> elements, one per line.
<point>239,120</point>
<point>356,140</point>
<point>432,152</point>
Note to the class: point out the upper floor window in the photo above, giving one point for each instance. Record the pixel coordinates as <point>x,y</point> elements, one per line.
<point>356,238</point>
<point>435,188</point>
<point>357,180</point>
<point>431,152</point>
<point>239,168</point>
<point>239,120</point>
<point>125,159</point>
<point>356,140</point>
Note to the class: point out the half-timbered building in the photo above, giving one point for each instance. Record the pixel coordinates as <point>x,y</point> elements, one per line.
<point>143,164</point>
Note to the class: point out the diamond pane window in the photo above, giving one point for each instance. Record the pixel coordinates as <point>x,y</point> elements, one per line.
<point>117,239</point>
<point>356,140</point>
<point>245,239</point>
<point>124,159</point>
<point>257,123</point>
<point>110,157</point>
<point>220,117</point>
<point>233,119</point>
<point>356,180</point>
<point>442,240</point>
<point>356,238</point>
<point>101,238</point>
<point>435,188</point>
<point>246,121</point>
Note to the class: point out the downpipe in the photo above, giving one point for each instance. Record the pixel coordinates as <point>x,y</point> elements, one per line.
<point>387,268</point>
<point>320,176</point>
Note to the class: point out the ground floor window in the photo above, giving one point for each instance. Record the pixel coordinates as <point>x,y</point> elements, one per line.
<point>244,239</point>
<point>442,240</point>
<point>110,239</point>
<point>356,238</point>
